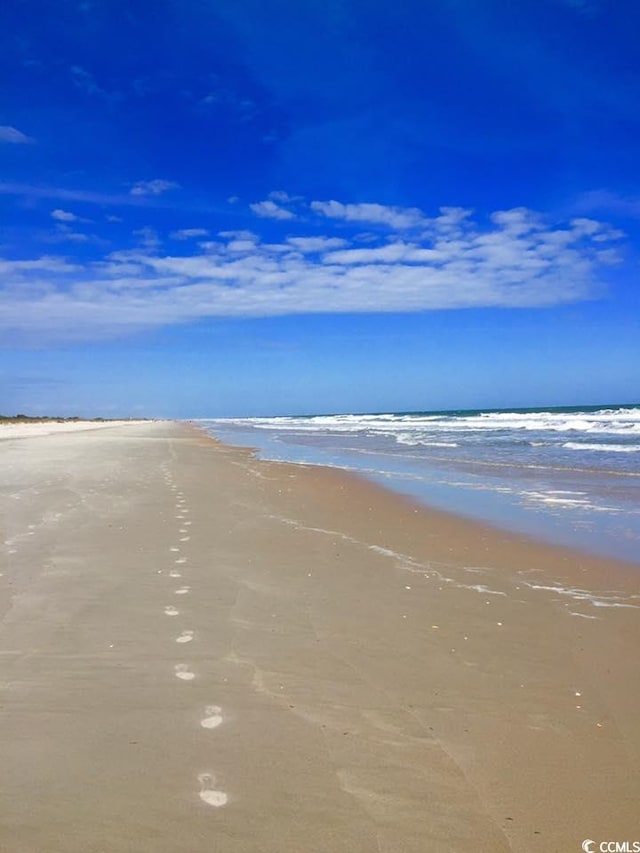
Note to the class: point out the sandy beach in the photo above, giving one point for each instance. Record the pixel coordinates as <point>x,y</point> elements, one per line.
<point>200,651</point>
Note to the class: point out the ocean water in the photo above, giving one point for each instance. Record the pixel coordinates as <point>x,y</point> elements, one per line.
<point>565,475</point>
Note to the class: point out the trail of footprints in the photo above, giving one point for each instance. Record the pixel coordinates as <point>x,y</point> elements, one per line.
<point>212,718</point>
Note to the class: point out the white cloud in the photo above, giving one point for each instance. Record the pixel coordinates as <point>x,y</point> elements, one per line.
<point>242,246</point>
<point>47,264</point>
<point>398,218</point>
<point>519,220</point>
<point>154,187</point>
<point>147,238</point>
<point>516,260</point>
<point>188,233</point>
<point>284,197</point>
<point>64,233</point>
<point>239,235</point>
<point>13,135</point>
<point>316,244</point>
<point>270,210</point>
<point>63,216</point>
<point>391,253</point>
<point>594,229</point>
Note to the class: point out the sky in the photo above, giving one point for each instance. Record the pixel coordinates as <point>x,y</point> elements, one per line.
<point>255,207</point>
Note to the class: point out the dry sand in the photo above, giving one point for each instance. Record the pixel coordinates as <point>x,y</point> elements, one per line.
<point>203,652</point>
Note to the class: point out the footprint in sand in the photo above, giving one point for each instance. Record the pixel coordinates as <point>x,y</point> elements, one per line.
<point>207,793</point>
<point>185,637</point>
<point>180,560</point>
<point>183,530</point>
<point>183,590</point>
<point>171,611</point>
<point>187,523</point>
<point>185,538</point>
<point>182,671</point>
<point>175,550</point>
<point>175,574</point>
<point>213,718</point>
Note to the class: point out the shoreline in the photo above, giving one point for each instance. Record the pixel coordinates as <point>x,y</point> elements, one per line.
<point>478,529</point>
<point>519,475</point>
<point>344,671</point>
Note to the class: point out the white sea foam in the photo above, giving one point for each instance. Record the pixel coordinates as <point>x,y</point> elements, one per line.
<point>480,587</point>
<point>602,448</point>
<point>413,440</point>
<point>612,421</point>
<point>602,599</point>
<point>551,498</point>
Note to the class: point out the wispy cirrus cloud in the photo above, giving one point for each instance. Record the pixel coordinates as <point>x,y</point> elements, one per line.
<point>66,234</point>
<point>147,238</point>
<point>608,203</point>
<point>85,82</point>
<point>586,7</point>
<point>14,136</point>
<point>157,186</point>
<point>189,233</point>
<point>64,194</point>
<point>515,258</point>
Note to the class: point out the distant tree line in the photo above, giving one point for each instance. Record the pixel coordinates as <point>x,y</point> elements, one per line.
<point>49,418</point>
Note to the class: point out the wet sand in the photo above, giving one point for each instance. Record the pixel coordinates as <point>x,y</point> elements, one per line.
<point>200,651</point>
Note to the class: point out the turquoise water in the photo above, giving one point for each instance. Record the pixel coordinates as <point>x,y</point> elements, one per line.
<point>567,475</point>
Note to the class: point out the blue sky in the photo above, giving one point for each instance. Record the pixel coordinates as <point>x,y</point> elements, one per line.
<point>238,207</point>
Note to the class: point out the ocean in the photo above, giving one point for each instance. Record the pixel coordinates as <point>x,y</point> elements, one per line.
<point>570,476</point>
